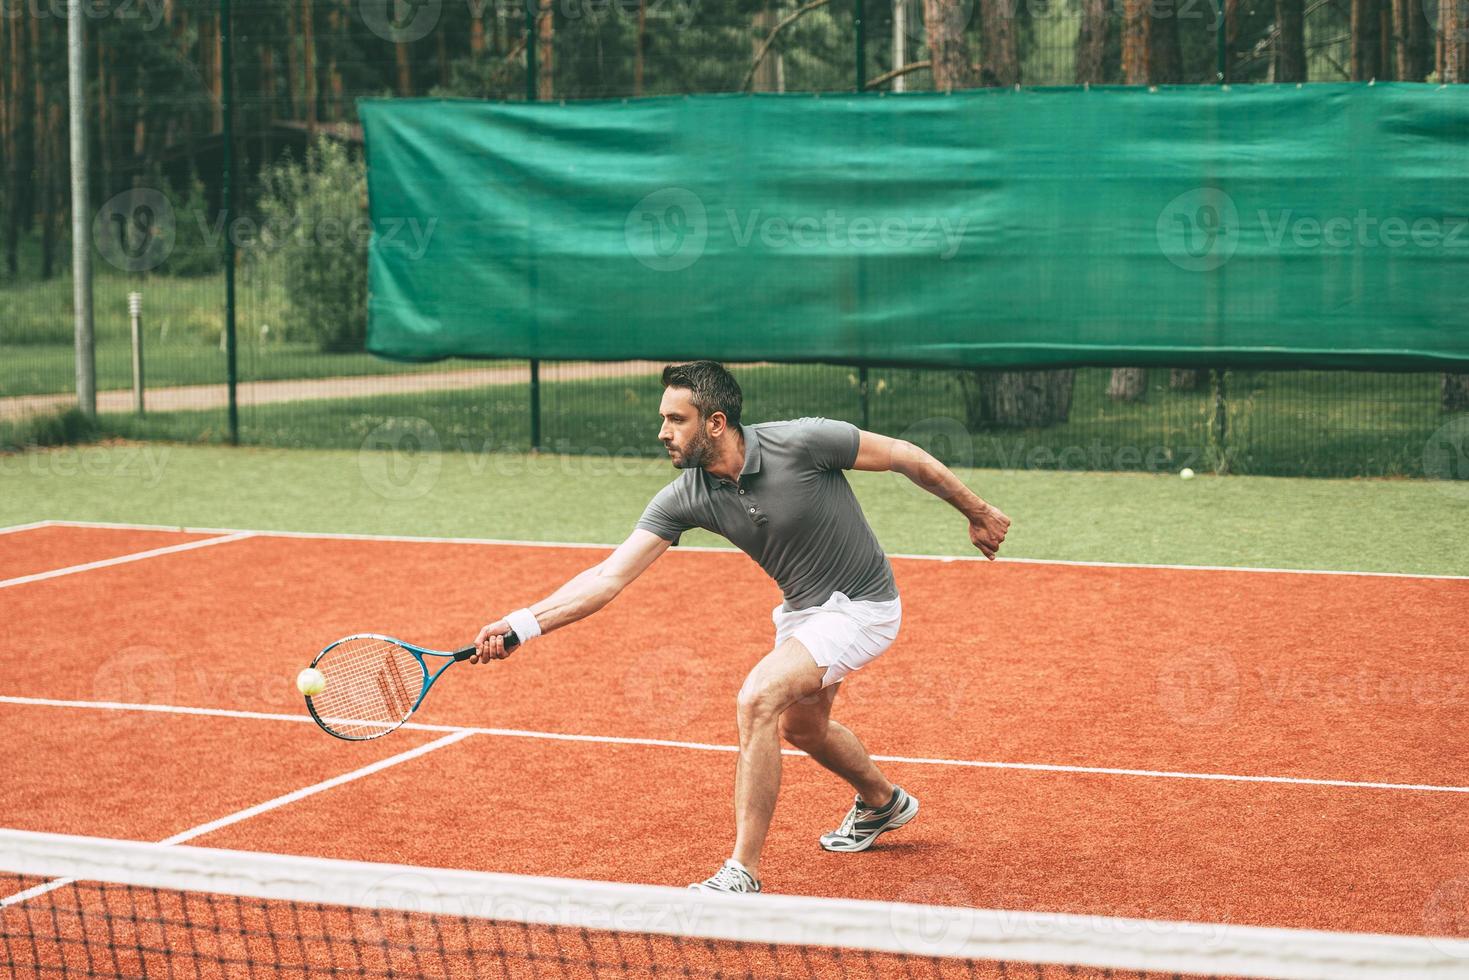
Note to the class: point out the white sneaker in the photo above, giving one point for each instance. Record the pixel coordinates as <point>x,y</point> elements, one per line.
<point>732,877</point>
<point>863,823</point>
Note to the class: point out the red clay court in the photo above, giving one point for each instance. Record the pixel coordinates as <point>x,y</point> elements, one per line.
<point>1239,747</point>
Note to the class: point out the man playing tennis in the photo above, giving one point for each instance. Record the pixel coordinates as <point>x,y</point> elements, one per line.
<point>776,490</point>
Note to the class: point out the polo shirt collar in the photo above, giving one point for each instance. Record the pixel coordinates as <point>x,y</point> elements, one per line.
<point>752,451</point>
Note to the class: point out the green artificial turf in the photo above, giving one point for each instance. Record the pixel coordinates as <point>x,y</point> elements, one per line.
<point>1371,525</point>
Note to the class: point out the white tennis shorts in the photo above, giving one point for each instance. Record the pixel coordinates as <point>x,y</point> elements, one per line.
<point>842,635</point>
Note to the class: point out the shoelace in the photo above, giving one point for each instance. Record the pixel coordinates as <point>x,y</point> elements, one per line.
<point>850,820</point>
<point>728,878</point>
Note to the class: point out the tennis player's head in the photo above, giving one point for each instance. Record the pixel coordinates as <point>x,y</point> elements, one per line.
<point>700,408</point>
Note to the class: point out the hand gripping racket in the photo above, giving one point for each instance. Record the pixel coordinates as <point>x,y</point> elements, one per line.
<point>374,682</point>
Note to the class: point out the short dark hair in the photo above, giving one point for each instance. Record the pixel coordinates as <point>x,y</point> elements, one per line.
<point>714,388</point>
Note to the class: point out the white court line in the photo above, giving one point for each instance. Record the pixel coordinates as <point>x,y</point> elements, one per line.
<point>32,526</point>
<point>259,808</point>
<point>125,559</point>
<point>601,546</point>
<point>712,747</point>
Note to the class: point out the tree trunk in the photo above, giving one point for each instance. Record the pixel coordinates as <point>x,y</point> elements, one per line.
<point>268,108</point>
<point>216,61</point>
<point>308,68</point>
<point>1455,392</point>
<point>14,113</point>
<point>948,50</point>
<point>1165,55</point>
<point>1415,41</point>
<point>405,69</point>
<point>1091,42</point>
<point>1016,399</point>
<point>640,49</point>
<point>294,84</point>
<point>476,30</point>
<point>337,104</point>
<point>546,53</point>
<point>104,118</point>
<point>1452,31</point>
<point>1128,384</point>
<point>41,145</point>
<point>1366,20</point>
<point>1135,61</point>
<point>1001,60</point>
<point>770,73</point>
<point>52,194</point>
<point>1290,45</point>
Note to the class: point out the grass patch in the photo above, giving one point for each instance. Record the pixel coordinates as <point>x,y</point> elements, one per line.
<point>1275,423</point>
<point>39,370</point>
<point>1368,525</point>
<point>55,429</point>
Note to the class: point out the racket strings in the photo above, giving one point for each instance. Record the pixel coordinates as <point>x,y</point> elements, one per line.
<point>371,687</point>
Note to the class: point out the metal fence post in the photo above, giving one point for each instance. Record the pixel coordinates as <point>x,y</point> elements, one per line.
<point>81,206</point>
<point>227,42</point>
<point>535,405</point>
<point>135,313</point>
<point>1221,420</point>
<point>532,38</point>
<point>1221,45</point>
<point>860,44</point>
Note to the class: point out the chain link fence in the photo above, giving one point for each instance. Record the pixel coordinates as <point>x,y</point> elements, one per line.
<point>162,88</point>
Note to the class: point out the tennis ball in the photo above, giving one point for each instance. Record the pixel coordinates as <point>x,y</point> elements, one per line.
<point>310,681</point>
<point>1186,473</point>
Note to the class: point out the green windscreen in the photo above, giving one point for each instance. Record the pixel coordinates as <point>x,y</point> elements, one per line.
<point>1282,226</point>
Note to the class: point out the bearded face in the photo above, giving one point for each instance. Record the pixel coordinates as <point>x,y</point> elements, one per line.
<point>684,433</point>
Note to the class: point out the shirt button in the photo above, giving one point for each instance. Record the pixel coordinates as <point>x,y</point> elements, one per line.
<point>742,490</point>
<point>752,510</point>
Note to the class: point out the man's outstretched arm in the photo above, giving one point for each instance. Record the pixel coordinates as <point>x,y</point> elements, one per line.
<point>582,595</point>
<point>987,524</point>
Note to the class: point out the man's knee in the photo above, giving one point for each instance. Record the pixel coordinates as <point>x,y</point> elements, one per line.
<point>759,703</point>
<point>802,732</point>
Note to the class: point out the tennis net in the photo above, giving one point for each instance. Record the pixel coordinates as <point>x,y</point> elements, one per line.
<point>80,906</point>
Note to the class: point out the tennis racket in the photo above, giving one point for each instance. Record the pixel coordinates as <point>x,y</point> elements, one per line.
<point>374,682</point>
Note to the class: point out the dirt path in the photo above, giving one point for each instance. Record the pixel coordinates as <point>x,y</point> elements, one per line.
<point>199,398</point>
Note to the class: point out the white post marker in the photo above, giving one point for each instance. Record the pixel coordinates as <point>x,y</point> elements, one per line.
<point>135,313</point>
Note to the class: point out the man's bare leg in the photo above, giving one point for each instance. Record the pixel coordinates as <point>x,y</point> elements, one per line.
<point>808,726</point>
<point>785,676</point>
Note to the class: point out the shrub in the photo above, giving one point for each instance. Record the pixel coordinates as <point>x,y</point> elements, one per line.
<point>314,236</point>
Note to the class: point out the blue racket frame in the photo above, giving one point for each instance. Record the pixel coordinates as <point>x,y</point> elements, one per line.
<point>419,653</point>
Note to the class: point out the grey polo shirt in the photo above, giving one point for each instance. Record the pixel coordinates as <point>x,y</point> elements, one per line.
<point>792,511</point>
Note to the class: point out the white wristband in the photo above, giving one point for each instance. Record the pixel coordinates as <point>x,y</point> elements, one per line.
<point>523,622</point>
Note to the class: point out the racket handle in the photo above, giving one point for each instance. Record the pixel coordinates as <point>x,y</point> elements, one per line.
<point>511,642</point>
